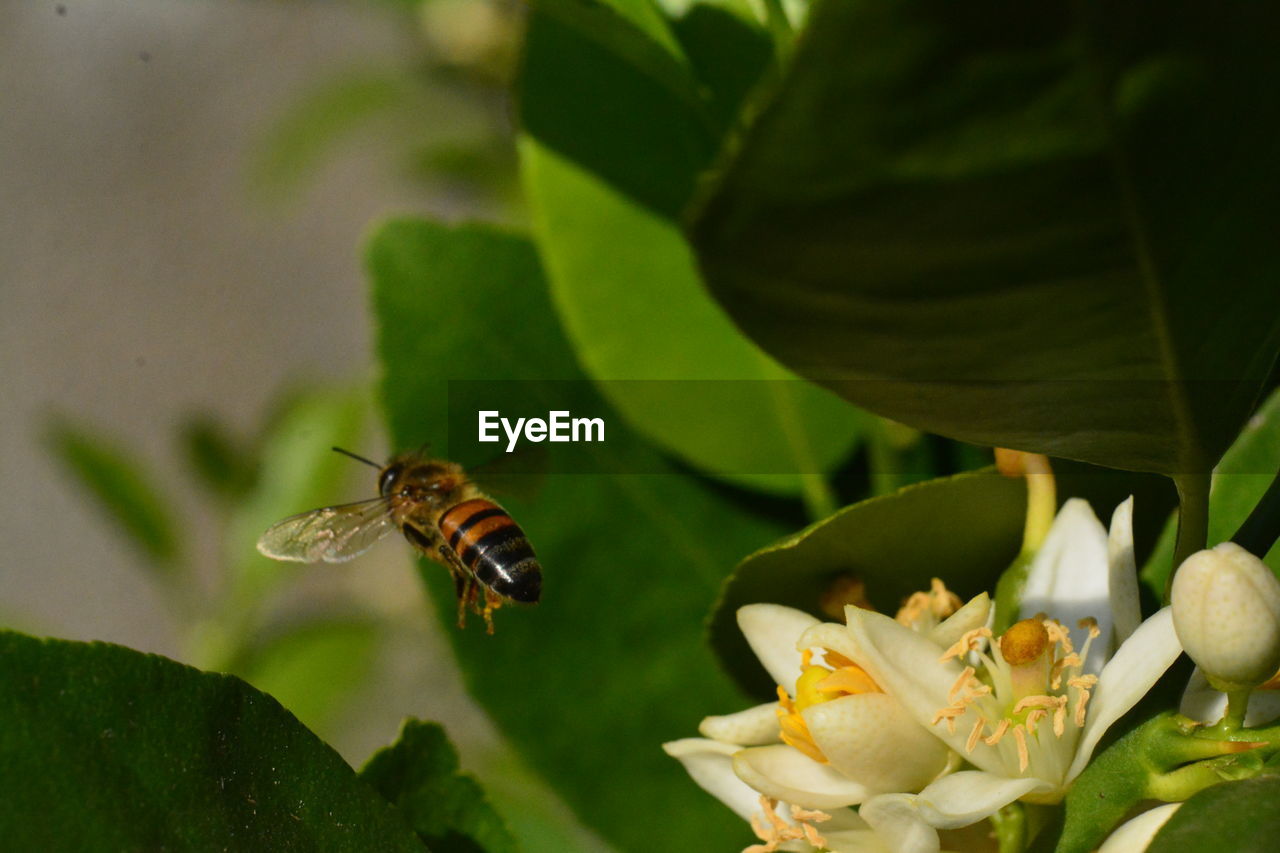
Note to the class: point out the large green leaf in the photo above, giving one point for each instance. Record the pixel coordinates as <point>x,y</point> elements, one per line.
<point>448,809</point>
<point>610,664</point>
<point>1234,817</point>
<point>1048,226</point>
<point>964,529</point>
<point>617,122</point>
<point>122,487</point>
<point>105,748</point>
<point>1239,481</point>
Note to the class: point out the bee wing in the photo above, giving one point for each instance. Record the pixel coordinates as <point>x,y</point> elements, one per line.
<point>333,534</point>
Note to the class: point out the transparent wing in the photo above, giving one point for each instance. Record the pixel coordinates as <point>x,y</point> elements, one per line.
<point>333,534</point>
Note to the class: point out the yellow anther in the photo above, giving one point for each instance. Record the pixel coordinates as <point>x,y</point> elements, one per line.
<point>1020,737</point>
<point>813,815</point>
<point>967,643</point>
<point>961,683</point>
<point>1024,642</point>
<point>974,734</point>
<point>996,736</point>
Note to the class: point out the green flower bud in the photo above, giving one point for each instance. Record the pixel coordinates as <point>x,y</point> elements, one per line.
<point>1226,610</point>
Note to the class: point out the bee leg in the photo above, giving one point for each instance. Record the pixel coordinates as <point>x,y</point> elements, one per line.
<point>492,601</point>
<point>465,588</point>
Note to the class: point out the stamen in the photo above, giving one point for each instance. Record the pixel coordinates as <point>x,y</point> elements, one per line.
<point>1035,702</point>
<point>768,806</point>
<point>814,815</point>
<point>813,837</point>
<point>1034,717</point>
<point>998,734</point>
<point>1023,758</point>
<point>1083,683</point>
<point>1060,717</point>
<point>960,683</point>
<point>967,643</point>
<point>975,734</point>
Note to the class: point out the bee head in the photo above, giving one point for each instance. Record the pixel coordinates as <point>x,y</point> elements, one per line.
<point>387,479</point>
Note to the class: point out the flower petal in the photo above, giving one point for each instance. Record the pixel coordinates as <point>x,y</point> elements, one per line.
<point>772,631</point>
<point>1126,613</point>
<point>973,615</point>
<point>710,764</point>
<point>853,840</point>
<point>969,796</point>
<point>1137,665</point>
<point>1135,834</point>
<point>908,823</point>
<point>897,821</point>
<point>1069,575</point>
<point>870,738</point>
<point>1201,702</point>
<point>784,773</point>
<point>752,727</point>
<point>908,667</point>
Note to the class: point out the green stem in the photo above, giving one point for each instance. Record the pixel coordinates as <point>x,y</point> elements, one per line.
<point>1010,824</point>
<point>1193,519</point>
<point>1237,705</point>
<point>779,27</point>
<point>819,499</point>
<point>1261,529</point>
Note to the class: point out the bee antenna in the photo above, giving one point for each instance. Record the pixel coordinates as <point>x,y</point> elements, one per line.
<point>357,457</point>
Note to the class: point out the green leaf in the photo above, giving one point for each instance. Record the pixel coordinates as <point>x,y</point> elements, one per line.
<point>604,186</point>
<point>1045,226</point>
<point>224,467</point>
<point>105,748</point>
<point>964,529</point>
<point>1239,481</point>
<point>1234,817</point>
<point>314,669</point>
<point>610,664</point>
<point>448,809</point>
<point>122,488</point>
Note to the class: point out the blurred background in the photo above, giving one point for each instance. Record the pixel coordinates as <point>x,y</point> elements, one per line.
<point>186,187</point>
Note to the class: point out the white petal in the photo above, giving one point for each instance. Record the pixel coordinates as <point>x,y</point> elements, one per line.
<point>752,727</point>
<point>972,615</point>
<point>897,821</point>
<point>853,840</point>
<point>710,764</point>
<point>1137,665</point>
<point>1134,835</point>
<point>907,666</point>
<point>784,773</point>
<point>1125,609</point>
<point>772,631</point>
<point>1201,702</point>
<point>969,796</point>
<point>1069,576</point>
<point>871,738</point>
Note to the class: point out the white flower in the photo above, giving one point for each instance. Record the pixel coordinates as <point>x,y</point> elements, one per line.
<point>1031,724</point>
<point>1135,834</point>
<point>1226,608</point>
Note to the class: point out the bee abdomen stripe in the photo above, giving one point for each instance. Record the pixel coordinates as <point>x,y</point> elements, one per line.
<point>455,523</point>
<point>502,547</point>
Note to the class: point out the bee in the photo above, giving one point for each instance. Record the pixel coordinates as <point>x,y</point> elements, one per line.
<point>442,514</point>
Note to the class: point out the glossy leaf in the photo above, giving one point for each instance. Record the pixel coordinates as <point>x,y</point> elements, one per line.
<point>105,748</point>
<point>122,488</point>
<point>448,809</point>
<point>964,529</point>
<point>1240,480</point>
<point>1234,817</point>
<point>1042,226</point>
<point>605,185</point>
<point>610,664</point>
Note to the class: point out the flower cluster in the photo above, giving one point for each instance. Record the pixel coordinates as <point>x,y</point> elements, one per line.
<point>930,721</point>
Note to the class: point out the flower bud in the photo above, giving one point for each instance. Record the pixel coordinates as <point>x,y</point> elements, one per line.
<point>1226,610</point>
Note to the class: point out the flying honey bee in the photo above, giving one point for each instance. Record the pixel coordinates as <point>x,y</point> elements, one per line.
<point>442,514</point>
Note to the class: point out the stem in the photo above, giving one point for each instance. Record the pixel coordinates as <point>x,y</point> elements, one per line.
<point>1193,520</point>
<point>1237,705</point>
<point>1261,529</point>
<point>819,500</point>
<point>1010,824</point>
<point>779,27</point>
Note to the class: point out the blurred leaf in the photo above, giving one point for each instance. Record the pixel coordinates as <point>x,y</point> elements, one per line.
<point>1234,817</point>
<point>222,466</point>
<point>122,488</point>
<point>1045,226</point>
<point>1240,480</point>
<point>315,669</point>
<point>298,472</point>
<point>964,529</point>
<point>299,141</point>
<point>623,276</point>
<point>105,748</point>
<point>448,809</point>
<point>631,562</point>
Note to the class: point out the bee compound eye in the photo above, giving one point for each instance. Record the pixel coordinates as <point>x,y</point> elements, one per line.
<point>388,479</point>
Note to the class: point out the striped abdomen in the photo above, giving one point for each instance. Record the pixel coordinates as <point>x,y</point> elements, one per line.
<point>494,548</point>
